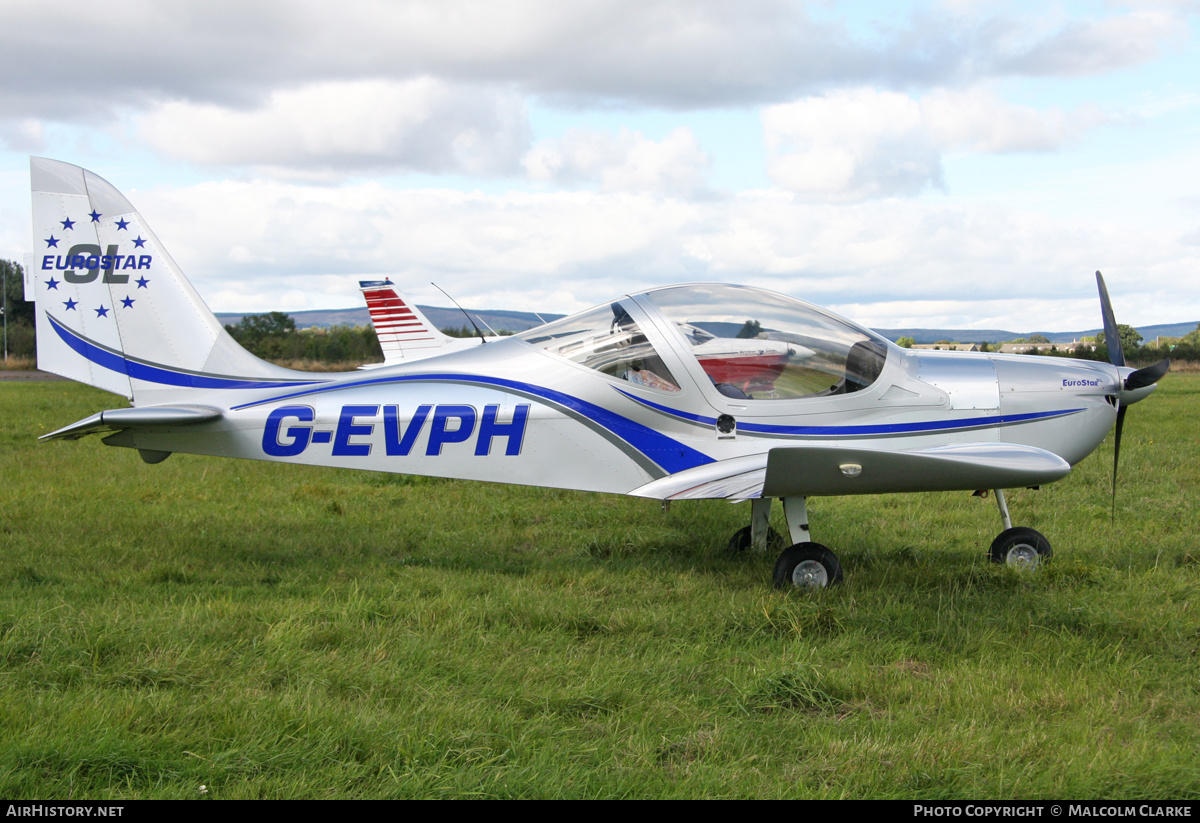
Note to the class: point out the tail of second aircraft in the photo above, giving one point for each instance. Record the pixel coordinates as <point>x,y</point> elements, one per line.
<point>113,309</point>
<point>404,332</point>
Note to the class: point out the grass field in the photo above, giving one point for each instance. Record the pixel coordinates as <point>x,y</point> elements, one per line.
<point>271,631</point>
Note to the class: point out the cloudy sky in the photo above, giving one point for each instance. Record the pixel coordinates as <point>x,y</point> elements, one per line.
<point>953,163</point>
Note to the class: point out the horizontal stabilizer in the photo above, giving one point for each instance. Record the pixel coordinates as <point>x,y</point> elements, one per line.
<point>115,420</point>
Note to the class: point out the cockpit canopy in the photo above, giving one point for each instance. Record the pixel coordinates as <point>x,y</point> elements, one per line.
<point>607,339</point>
<point>749,343</point>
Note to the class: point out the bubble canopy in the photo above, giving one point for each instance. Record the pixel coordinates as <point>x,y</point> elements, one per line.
<point>750,343</point>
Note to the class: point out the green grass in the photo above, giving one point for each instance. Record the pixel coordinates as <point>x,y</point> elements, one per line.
<point>274,631</point>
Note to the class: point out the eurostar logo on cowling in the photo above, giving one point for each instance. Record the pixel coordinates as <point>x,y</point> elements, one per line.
<point>84,262</point>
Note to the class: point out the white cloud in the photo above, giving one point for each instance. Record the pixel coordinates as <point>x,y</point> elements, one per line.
<point>1083,46</point>
<point>246,242</point>
<point>665,53</point>
<point>260,246</point>
<point>625,161</point>
<point>851,145</point>
<point>27,135</point>
<point>864,143</point>
<point>423,124</point>
<point>976,120</point>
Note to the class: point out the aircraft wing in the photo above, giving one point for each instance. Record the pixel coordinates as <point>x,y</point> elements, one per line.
<point>115,420</point>
<point>794,471</point>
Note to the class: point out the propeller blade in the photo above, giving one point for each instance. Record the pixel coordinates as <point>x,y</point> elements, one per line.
<point>1117,457</point>
<point>1148,376</point>
<point>1140,379</point>
<point>1111,337</point>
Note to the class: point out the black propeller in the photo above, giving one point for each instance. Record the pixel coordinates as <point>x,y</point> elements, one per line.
<point>1133,382</point>
<point>1148,376</point>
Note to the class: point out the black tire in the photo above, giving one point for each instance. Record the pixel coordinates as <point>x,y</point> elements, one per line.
<point>1020,547</point>
<point>740,542</point>
<point>807,565</point>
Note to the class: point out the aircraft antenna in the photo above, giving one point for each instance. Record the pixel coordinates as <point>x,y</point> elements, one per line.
<point>482,339</point>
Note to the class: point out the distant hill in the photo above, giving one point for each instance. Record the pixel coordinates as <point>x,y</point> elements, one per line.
<point>500,320</point>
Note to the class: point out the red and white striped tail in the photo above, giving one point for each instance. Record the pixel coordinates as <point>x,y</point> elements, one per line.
<point>403,331</point>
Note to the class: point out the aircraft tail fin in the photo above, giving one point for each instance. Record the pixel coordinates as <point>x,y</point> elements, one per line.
<point>113,309</point>
<point>404,332</point>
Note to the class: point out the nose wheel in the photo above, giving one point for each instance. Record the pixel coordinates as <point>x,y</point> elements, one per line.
<point>1021,548</point>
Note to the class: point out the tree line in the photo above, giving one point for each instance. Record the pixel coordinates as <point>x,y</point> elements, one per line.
<point>19,315</point>
<point>274,336</point>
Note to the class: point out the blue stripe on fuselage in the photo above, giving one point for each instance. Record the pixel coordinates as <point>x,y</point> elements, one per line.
<point>157,373</point>
<point>921,427</point>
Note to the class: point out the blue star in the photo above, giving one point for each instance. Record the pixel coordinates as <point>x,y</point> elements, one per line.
<point>102,312</point>
<point>140,243</point>
<point>141,281</point>
<point>68,223</point>
<point>52,242</point>
<point>127,302</point>
<point>70,304</point>
<point>95,216</point>
<point>122,224</point>
<point>52,284</point>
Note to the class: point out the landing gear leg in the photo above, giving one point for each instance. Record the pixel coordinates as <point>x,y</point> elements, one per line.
<point>759,535</point>
<point>1019,547</point>
<point>795,509</point>
<point>1002,504</point>
<point>760,523</point>
<point>805,564</point>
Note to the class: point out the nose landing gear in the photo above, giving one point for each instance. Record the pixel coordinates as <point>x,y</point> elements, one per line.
<point>1020,547</point>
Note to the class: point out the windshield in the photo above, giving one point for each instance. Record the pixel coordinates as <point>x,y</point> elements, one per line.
<point>758,345</point>
<point>608,340</point>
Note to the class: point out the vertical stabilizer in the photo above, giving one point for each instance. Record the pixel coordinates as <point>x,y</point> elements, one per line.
<point>113,308</point>
<point>404,332</point>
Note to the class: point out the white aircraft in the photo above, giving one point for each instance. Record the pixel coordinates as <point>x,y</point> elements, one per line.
<point>630,397</point>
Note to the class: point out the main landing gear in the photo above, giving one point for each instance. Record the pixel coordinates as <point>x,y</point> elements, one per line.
<point>805,564</point>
